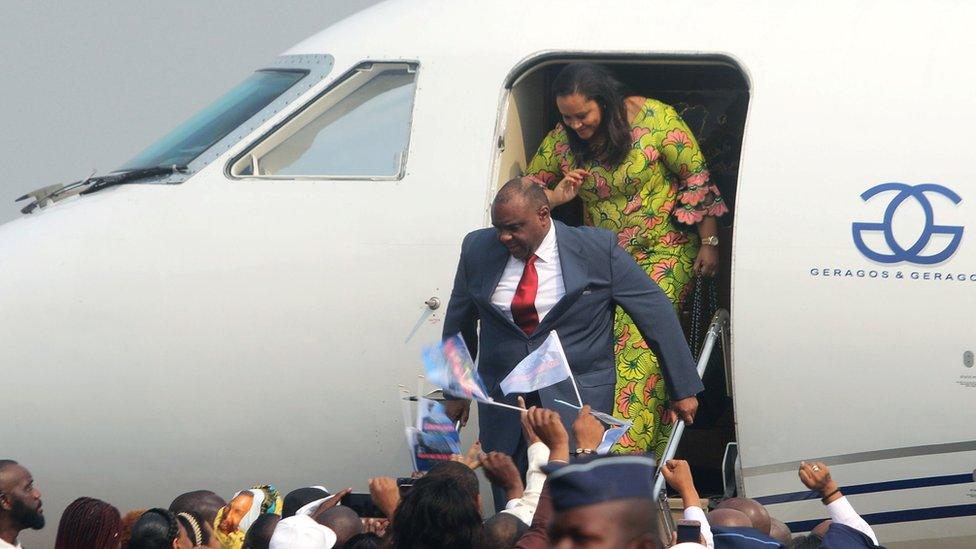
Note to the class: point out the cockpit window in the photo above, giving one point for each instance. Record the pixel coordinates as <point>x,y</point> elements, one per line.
<point>213,123</point>
<point>358,129</point>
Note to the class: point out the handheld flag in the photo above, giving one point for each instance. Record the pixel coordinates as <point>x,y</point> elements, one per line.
<point>449,366</point>
<point>543,367</point>
<point>610,437</point>
<point>434,438</point>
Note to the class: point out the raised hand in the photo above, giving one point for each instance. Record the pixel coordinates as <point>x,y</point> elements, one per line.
<point>472,458</point>
<point>501,471</point>
<point>677,473</point>
<point>457,410</point>
<point>816,476</point>
<point>530,435</point>
<point>385,494</point>
<point>549,427</point>
<point>587,429</point>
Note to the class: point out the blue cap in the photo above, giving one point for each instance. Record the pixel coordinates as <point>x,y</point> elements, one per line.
<point>602,479</point>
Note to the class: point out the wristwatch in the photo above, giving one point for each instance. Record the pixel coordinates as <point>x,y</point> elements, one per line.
<point>710,241</point>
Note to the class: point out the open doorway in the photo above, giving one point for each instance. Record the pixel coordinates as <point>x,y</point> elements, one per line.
<point>711,93</point>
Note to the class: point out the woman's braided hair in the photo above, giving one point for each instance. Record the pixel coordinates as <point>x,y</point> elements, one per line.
<point>90,523</point>
<point>155,529</point>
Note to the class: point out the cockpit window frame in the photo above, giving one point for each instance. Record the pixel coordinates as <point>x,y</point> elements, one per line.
<point>316,66</point>
<point>340,80</point>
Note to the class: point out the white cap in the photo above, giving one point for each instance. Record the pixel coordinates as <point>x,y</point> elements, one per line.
<point>684,545</point>
<point>301,532</point>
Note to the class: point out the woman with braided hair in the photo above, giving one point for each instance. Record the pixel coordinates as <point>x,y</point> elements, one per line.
<point>160,529</point>
<point>89,523</point>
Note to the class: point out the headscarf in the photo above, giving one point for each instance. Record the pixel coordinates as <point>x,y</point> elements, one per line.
<point>265,499</point>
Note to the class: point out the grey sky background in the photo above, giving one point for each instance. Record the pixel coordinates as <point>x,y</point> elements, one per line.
<point>88,85</point>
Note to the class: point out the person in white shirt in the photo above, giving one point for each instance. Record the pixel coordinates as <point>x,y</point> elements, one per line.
<point>677,473</point>
<point>20,503</point>
<point>816,476</point>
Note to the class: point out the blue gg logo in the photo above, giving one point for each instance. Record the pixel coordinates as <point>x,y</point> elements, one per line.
<point>913,253</point>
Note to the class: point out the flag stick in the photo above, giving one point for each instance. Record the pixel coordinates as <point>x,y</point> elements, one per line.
<point>563,402</point>
<point>566,362</point>
<point>502,405</point>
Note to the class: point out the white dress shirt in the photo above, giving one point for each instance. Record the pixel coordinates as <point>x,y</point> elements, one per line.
<point>551,288</point>
<point>524,508</point>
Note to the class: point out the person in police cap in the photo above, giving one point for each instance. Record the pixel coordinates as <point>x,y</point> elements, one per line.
<point>606,502</point>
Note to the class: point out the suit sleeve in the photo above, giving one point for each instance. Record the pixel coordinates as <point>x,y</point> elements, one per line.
<point>653,313</point>
<point>462,313</point>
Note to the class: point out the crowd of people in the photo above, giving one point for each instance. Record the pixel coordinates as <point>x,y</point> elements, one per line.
<point>566,499</point>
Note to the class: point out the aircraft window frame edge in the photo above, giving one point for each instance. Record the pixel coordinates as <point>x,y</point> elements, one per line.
<point>412,64</point>
<point>316,66</point>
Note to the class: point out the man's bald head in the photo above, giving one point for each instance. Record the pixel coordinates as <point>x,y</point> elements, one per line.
<point>502,531</point>
<point>202,503</point>
<point>5,466</point>
<point>520,214</point>
<point>729,518</point>
<point>779,531</point>
<point>753,509</point>
<point>343,521</point>
<point>522,188</point>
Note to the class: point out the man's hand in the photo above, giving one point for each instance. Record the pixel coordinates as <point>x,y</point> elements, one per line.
<point>549,427</point>
<point>683,409</point>
<point>501,471</point>
<point>530,436</point>
<point>457,410</point>
<point>816,476</point>
<point>587,429</point>
<point>331,502</point>
<point>677,473</point>
<point>472,458</point>
<point>386,494</point>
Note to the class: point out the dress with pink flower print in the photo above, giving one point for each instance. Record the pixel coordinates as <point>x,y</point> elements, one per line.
<point>662,179</point>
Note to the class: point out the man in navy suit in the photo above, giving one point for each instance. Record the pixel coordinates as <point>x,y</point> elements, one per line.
<point>530,275</point>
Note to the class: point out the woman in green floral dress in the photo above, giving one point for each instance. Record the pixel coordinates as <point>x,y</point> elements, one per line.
<point>640,173</point>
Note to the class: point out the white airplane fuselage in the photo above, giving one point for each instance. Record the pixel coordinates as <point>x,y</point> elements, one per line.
<point>229,330</point>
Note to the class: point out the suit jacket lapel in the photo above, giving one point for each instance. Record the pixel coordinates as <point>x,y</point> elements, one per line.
<point>575,274</point>
<point>496,257</point>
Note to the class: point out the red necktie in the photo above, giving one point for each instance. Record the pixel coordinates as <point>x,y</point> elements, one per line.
<point>523,305</point>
